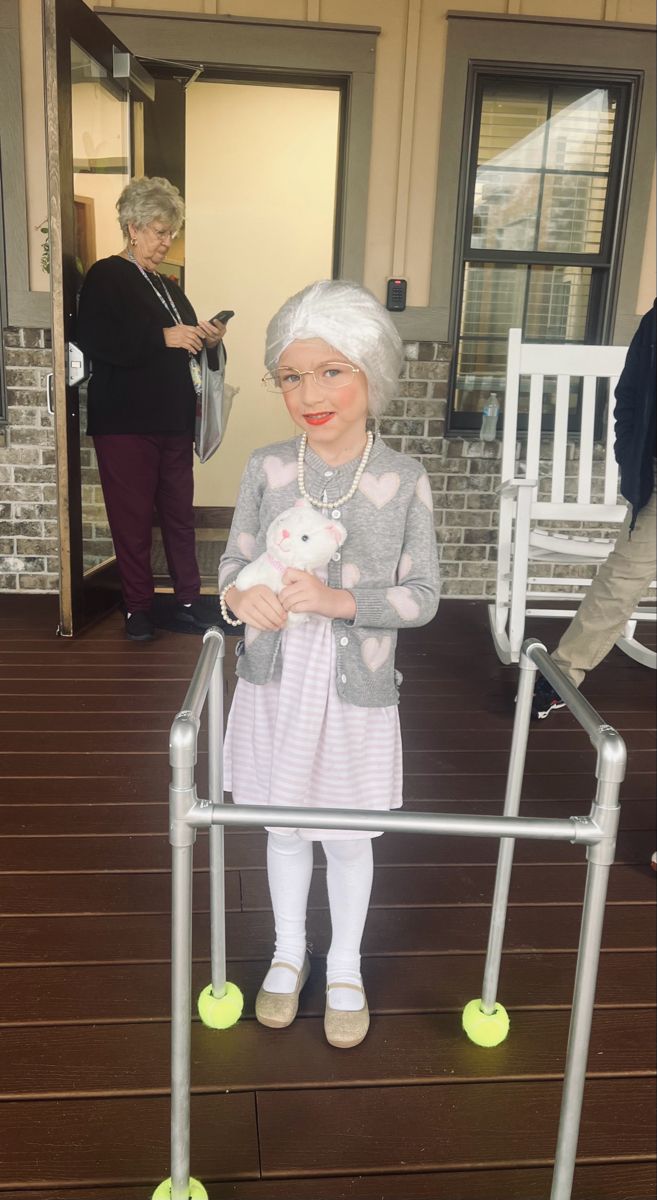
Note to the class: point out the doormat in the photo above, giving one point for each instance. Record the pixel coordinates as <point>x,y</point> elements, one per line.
<point>208,553</point>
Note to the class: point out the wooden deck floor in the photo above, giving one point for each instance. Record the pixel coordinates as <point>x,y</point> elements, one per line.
<point>416,1111</point>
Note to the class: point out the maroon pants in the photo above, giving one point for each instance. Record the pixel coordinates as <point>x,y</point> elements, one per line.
<point>139,472</point>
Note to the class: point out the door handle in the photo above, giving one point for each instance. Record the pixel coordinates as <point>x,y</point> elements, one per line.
<point>50,399</point>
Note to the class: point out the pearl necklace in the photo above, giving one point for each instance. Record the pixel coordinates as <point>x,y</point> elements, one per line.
<point>357,477</point>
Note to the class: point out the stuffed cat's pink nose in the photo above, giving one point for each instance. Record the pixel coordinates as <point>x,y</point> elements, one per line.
<point>285,533</point>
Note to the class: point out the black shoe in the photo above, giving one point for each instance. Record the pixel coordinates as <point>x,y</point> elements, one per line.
<point>201,613</point>
<point>545,700</point>
<point>138,627</point>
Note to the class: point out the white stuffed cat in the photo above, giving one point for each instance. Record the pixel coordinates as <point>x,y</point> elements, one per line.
<point>300,537</point>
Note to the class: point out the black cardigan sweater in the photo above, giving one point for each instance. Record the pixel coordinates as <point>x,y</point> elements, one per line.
<point>138,384</point>
<point>636,400</point>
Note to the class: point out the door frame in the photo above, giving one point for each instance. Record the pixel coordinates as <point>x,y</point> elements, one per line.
<point>83,598</point>
<point>338,55</point>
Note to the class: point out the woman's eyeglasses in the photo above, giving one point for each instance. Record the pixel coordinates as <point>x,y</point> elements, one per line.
<point>163,235</point>
<point>330,375</point>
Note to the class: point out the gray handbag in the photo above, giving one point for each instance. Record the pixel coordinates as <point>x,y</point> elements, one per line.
<point>213,406</point>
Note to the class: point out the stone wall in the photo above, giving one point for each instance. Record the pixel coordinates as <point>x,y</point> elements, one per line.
<point>464,474</point>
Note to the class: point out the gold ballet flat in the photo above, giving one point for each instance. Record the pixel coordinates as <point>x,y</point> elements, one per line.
<point>345,1029</point>
<point>277,1010</point>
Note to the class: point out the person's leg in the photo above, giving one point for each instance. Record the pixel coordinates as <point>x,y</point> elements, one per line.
<point>174,501</point>
<point>612,597</point>
<point>349,873</point>
<point>128,465</point>
<point>289,872</point>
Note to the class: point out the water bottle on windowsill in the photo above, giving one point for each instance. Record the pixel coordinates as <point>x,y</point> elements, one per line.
<point>488,431</point>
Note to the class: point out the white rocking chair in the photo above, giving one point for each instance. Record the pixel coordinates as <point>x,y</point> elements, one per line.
<point>520,539</point>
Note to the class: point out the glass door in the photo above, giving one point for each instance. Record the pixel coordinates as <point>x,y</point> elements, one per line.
<point>89,90</point>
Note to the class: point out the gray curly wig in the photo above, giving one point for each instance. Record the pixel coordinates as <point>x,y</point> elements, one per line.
<point>353,322</point>
<point>145,200</point>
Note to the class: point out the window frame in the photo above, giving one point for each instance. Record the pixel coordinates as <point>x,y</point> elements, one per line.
<point>535,41</point>
<point>604,265</point>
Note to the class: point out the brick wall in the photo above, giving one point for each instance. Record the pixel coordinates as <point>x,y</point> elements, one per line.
<point>28,510</point>
<point>464,474</point>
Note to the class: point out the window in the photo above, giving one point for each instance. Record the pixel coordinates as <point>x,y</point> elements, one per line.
<point>540,222</point>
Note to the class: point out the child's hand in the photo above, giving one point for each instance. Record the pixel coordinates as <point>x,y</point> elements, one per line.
<point>305,593</point>
<point>257,606</point>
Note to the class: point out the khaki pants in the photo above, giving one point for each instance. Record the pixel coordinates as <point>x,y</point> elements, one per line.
<point>612,597</point>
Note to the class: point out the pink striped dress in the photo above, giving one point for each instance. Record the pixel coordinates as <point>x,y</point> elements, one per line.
<point>296,742</point>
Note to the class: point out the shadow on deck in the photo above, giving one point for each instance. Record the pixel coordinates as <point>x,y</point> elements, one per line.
<point>416,1111</point>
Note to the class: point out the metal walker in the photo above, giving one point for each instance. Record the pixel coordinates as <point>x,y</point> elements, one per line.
<point>484,1019</point>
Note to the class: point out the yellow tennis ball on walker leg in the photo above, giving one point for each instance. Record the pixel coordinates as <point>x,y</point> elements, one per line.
<point>485,1029</point>
<point>196,1191</point>
<point>220,1012</point>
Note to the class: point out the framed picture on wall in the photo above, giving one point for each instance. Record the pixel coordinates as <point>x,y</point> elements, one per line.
<point>174,271</point>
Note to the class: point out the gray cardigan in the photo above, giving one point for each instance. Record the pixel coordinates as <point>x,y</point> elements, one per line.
<point>389,561</point>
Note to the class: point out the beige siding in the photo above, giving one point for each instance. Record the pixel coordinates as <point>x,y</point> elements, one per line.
<point>401,205</point>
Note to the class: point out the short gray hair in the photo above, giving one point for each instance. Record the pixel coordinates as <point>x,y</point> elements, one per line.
<point>145,200</point>
<point>351,320</point>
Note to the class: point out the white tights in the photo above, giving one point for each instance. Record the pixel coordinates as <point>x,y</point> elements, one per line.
<point>349,871</point>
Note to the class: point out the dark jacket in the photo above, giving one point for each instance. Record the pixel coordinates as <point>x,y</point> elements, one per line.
<point>636,402</point>
<point>138,384</point>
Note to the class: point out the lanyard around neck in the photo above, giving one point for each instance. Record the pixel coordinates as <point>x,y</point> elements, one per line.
<point>168,304</point>
<point>170,308</point>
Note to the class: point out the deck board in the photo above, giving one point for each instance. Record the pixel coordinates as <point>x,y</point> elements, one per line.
<point>457,930</point>
<point>131,992</point>
<point>151,851</point>
<point>438,1128</point>
<point>105,1141</point>
<point>400,1049</point>
<point>247,890</point>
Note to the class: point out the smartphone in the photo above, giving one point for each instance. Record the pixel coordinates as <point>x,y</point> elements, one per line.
<point>223,315</point>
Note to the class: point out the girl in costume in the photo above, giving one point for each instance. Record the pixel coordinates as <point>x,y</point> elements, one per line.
<point>314,720</point>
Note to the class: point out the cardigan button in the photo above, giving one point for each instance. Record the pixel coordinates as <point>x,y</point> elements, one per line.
<point>337,556</point>
<point>343,678</point>
<point>336,514</point>
<point>344,641</point>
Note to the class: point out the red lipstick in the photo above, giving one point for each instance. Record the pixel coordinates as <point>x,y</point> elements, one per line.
<point>318,418</point>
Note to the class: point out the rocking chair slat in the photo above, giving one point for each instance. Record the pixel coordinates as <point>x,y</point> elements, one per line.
<point>586,441</point>
<point>560,439</point>
<point>611,466</point>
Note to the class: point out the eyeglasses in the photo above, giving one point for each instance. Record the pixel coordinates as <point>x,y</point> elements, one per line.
<point>330,375</point>
<point>163,235</point>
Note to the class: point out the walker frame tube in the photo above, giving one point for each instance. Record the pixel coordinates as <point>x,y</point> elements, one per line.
<point>216,795</point>
<point>507,845</point>
<point>597,831</point>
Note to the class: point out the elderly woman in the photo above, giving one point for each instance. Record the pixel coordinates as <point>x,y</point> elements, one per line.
<point>142,336</point>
